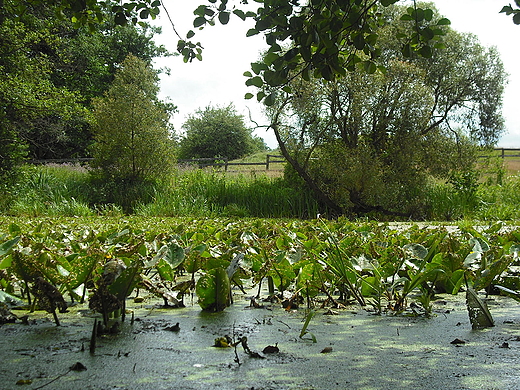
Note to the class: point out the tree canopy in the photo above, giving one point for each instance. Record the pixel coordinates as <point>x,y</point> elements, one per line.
<point>51,69</point>
<point>132,136</point>
<point>368,142</point>
<point>217,132</point>
<point>322,38</point>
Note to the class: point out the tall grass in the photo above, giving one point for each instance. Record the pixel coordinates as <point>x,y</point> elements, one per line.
<point>71,191</point>
<point>49,190</point>
<point>210,193</point>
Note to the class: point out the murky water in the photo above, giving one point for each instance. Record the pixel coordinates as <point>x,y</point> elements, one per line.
<point>367,352</point>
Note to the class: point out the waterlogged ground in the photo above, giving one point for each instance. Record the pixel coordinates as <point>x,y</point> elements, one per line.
<point>354,349</point>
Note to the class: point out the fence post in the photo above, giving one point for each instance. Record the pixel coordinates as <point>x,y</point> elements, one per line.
<point>503,154</point>
<point>267,163</point>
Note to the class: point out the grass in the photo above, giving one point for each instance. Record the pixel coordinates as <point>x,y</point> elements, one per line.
<point>67,190</point>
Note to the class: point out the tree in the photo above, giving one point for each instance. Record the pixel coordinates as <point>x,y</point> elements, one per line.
<point>131,132</point>
<point>368,142</point>
<point>325,36</point>
<point>216,132</point>
<point>60,68</point>
<point>27,93</point>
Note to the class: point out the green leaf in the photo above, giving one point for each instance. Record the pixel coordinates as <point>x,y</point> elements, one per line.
<point>174,254</point>
<point>6,247</point>
<point>386,3</point>
<point>416,250</point>
<point>444,22</point>
<point>270,100</point>
<point>428,14</point>
<point>6,262</point>
<point>200,21</point>
<point>516,18</point>
<point>190,34</point>
<point>258,67</point>
<point>248,96</point>
<point>407,50</point>
<point>213,290</point>
<point>359,41</point>
<point>256,81</point>
<point>370,67</point>
<point>223,17</point>
<point>427,33</point>
<point>240,14</point>
<point>426,51</point>
<point>260,95</point>
<point>251,32</point>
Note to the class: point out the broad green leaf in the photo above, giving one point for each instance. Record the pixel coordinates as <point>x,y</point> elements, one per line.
<point>200,21</point>
<point>174,255</point>
<point>270,99</point>
<point>223,17</point>
<point>258,67</point>
<point>251,32</point>
<point>426,51</point>
<point>213,290</point>
<point>260,95</point>
<point>256,81</point>
<point>6,262</point>
<point>416,250</point>
<point>165,270</point>
<point>370,67</point>
<point>240,14</point>
<point>248,96</point>
<point>444,22</point>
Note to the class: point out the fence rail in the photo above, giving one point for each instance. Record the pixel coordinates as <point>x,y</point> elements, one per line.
<point>504,150</point>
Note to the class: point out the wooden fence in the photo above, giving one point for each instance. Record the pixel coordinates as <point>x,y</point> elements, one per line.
<point>223,162</point>
<point>503,154</point>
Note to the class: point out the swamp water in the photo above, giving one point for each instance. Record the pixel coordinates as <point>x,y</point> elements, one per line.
<point>354,349</point>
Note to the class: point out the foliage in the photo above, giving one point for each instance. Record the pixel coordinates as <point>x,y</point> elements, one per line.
<point>52,70</point>
<point>378,264</point>
<point>508,10</point>
<point>65,190</point>
<point>217,132</point>
<point>27,93</point>
<point>326,37</point>
<point>369,142</point>
<point>131,132</point>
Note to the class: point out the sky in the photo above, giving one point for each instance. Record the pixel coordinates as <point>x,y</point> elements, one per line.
<point>218,79</point>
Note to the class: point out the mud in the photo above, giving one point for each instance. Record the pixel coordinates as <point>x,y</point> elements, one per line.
<point>363,351</point>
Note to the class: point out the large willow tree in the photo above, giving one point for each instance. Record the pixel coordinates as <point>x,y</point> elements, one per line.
<point>369,142</point>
